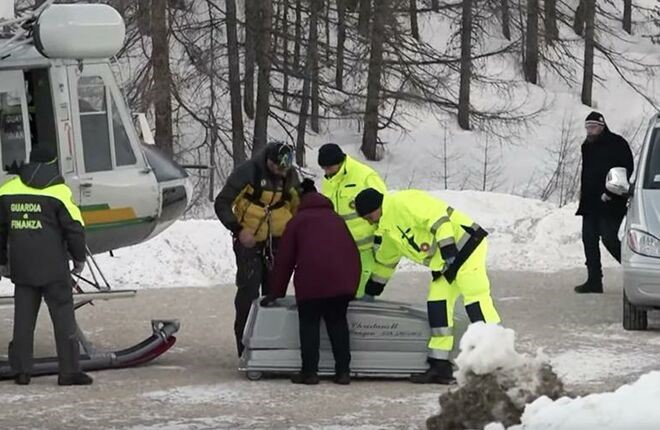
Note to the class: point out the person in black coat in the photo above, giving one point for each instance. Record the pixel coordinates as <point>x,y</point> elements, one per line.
<point>601,211</point>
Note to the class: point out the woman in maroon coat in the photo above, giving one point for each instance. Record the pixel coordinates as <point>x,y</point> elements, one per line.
<point>317,244</point>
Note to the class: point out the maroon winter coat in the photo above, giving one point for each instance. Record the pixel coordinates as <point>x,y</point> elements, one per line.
<point>317,243</point>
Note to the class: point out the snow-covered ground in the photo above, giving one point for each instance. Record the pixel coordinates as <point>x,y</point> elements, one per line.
<point>525,235</point>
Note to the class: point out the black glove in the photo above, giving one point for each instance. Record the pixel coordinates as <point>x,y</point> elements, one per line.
<point>449,252</point>
<point>267,301</point>
<point>78,267</point>
<point>307,186</point>
<point>450,273</point>
<point>374,288</point>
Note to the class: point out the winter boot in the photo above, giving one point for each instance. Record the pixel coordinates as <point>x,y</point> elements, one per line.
<point>342,378</point>
<point>439,372</point>
<point>79,378</point>
<point>307,379</point>
<point>590,286</point>
<point>22,379</point>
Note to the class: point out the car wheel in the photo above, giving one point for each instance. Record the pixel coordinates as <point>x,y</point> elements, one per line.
<point>634,318</point>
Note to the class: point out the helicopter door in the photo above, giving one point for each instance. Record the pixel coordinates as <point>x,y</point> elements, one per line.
<point>14,120</point>
<point>118,191</point>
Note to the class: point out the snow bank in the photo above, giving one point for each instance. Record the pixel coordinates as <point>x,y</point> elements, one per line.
<point>525,235</point>
<point>486,348</point>
<point>495,382</point>
<point>631,406</point>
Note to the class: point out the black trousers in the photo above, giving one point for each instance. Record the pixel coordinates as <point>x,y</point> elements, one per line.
<point>59,299</point>
<point>333,311</point>
<point>251,276</point>
<point>597,228</point>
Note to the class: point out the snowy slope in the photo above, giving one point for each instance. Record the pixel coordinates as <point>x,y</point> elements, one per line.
<point>522,153</point>
<point>526,235</point>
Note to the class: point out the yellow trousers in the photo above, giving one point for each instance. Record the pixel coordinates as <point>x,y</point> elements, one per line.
<point>472,283</point>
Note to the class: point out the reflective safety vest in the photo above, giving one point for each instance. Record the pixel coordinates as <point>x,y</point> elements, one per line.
<point>417,225</point>
<point>342,189</point>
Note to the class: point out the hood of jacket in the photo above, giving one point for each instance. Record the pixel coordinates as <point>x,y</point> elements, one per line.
<point>313,200</point>
<point>40,175</point>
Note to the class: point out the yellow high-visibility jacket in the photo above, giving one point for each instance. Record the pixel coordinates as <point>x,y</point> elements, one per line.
<point>417,225</point>
<point>342,189</point>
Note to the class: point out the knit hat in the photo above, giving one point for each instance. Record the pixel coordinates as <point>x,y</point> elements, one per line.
<point>307,186</point>
<point>368,201</point>
<point>42,154</point>
<point>595,118</point>
<point>331,154</point>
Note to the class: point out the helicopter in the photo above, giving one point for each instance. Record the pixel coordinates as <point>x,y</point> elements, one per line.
<point>58,89</point>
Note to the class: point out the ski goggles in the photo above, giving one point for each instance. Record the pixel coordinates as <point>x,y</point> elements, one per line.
<point>284,157</point>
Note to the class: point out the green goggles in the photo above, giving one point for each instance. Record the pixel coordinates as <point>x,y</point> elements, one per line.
<point>284,157</point>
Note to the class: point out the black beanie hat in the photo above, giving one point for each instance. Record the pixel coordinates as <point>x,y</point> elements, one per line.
<point>331,154</point>
<point>368,201</point>
<point>42,154</point>
<point>595,118</point>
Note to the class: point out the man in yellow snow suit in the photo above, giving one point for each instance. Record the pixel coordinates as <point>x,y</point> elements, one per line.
<point>427,231</point>
<point>344,178</point>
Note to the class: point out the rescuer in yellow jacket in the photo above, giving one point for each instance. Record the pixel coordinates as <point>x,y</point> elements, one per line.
<point>344,179</point>
<point>426,230</point>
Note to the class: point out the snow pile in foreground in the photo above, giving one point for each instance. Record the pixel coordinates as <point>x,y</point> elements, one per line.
<point>495,382</point>
<point>633,406</point>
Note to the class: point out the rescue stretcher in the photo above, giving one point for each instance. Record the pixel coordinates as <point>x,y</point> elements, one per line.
<point>387,339</point>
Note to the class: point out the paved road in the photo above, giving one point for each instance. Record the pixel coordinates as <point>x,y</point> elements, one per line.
<point>196,385</point>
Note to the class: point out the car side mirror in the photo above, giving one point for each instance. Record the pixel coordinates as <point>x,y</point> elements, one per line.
<point>617,182</point>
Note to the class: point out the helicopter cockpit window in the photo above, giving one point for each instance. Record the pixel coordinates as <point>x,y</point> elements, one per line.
<point>12,130</point>
<point>123,151</point>
<point>93,106</point>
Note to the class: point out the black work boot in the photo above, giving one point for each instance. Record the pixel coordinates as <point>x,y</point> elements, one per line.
<point>439,372</point>
<point>343,378</point>
<point>305,378</point>
<point>79,378</point>
<point>591,286</point>
<point>22,379</point>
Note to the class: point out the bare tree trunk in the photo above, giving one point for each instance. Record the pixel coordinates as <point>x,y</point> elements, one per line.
<point>550,21</point>
<point>161,91</point>
<point>506,27</point>
<point>327,31</point>
<point>364,17</point>
<point>414,26</point>
<point>298,36</point>
<point>466,66</point>
<point>309,67</point>
<point>589,42</point>
<point>532,42</point>
<point>627,16</point>
<point>314,46</point>
<point>275,35</point>
<point>251,14</point>
<point>341,40</point>
<point>237,137</point>
<point>370,135</point>
<point>213,135</point>
<point>285,56</point>
<point>578,22</point>
<point>263,89</point>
